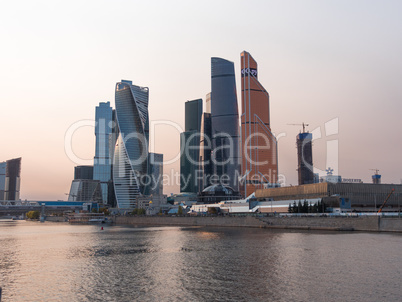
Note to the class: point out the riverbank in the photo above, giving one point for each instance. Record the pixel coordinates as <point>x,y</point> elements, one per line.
<point>366,224</point>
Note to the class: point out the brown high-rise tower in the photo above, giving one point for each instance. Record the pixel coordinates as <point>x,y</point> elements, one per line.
<point>259,145</point>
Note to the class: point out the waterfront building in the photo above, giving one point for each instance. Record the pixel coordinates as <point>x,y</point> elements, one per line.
<point>259,145</point>
<point>10,179</point>
<point>104,145</point>
<point>217,193</point>
<point>83,172</point>
<point>189,146</point>
<point>130,165</point>
<point>305,158</point>
<point>224,123</point>
<point>156,174</point>
<point>362,196</point>
<point>85,190</point>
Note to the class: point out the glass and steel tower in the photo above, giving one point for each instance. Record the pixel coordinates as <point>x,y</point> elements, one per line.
<point>102,169</point>
<point>10,179</point>
<point>189,145</point>
<point>305,158</point>
<point>259,145</point>
<point>225,122</point>
<point>130,164</point>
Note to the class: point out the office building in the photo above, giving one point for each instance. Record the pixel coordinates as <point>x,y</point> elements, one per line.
<point>259,145</point>
<point>189,146</point>
<point>208,103</point>
<point>85,190</point>
<point>155,173</point>
<point>130,165</point>
<point>104,145</point>
<point>224,123</point>
<point>10,179</point>
<point>83,172</point>
<point>305,158</point>
<point>205,163</point>
<point>3,166</point>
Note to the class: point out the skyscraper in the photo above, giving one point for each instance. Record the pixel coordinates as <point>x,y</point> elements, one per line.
<point>83,172</point>
<point>156,174</point>
<point>224,122</point>
<point>305,158</point>
<point>104,127</point>
<point>189,145</point>
<point>3,166</point>
<point>10,179</point>
<point>130,164</point>
<point>259,145</point>
<point>205,162</point>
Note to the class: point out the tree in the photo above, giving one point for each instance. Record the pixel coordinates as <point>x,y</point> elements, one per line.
<point>294,207</point>
<point>33,215</point>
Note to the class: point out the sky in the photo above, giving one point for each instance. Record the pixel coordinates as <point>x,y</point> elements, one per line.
<point>335,65</point>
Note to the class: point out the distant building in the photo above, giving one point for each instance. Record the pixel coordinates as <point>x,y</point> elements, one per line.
<point>189,146</point>
<point>305,158</point>
<point>131,149</point>
<point>376,179</point>
<point>224,123</point>
<point>105,142</point>
<point>3,166</point>
<point>156,174</point>
<point>205,163</point>
<point>208,103</point>
<point>85,190</point>
<point>259,145</point>
<point>83,172</point>
<point>10,179</point>
<point>363,196</point>
<point>217,193</point>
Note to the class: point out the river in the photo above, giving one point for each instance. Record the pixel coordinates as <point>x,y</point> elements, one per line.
<point>61,262</point>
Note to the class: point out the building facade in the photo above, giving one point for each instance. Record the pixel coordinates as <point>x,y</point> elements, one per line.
<point>305,168</point>
<point>85,190</point>
<point>156,174</point>
<point>83,172</point>
<point>3,166</point>
<point>189,146</point>
<point>205,162</point>
<point>130,164</point>
<point>259,145</point>
<point>10,179</point>
<point>224,123</point>
<point>104,146</point>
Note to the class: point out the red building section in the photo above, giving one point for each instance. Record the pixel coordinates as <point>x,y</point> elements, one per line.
<point>259,145</point>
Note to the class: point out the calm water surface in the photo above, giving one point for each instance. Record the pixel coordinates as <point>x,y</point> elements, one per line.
<point>61,262</point>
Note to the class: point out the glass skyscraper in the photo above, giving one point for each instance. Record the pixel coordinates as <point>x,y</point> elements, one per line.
<point>130,165</point>
<point>225,122</point>
<point>189,145</point>
<point>10,179</point>
<point>102,169</point>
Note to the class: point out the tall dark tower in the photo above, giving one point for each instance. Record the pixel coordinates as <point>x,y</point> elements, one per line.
<point>225,122</point>
<point>189,146</point>
<point>305,158</point>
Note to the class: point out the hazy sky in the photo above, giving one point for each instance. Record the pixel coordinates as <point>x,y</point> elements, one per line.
<point>319,60</point>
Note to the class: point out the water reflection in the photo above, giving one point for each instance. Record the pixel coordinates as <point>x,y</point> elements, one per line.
<point>60,262</point>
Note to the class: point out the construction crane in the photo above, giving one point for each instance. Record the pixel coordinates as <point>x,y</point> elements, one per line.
<point>304,125</point>
<point>385,201</point>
